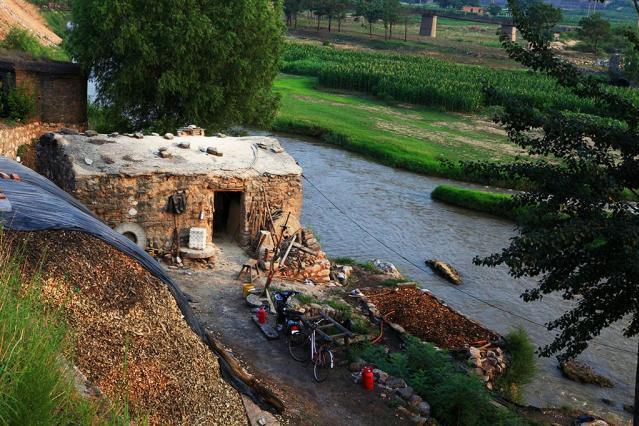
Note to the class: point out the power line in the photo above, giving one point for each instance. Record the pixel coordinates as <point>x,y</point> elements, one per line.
<point>419,267</point>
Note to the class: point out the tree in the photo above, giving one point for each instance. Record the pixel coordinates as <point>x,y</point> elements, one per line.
<point>594,29</point>
<point>168,63</point>
<point>582,239</point>
<point>390,15</point>
<point>291,9</point>
<point>371,10</point>
<point>494,9</point>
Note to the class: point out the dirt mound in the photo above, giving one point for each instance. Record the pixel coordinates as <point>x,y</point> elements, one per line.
<point>19,13</point>
<point>131,339</point>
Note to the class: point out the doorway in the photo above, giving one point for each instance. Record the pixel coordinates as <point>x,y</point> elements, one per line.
<point>226,218</point>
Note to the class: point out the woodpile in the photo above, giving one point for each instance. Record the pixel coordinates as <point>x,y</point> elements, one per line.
<point>131,340</point>
<point>487,360</point>
<point>283,246</point>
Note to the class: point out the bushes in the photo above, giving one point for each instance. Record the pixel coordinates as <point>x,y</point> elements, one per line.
<point>19,104</point>
<point>522,367</point>
<point>22,40</point>
<point>456,398</point>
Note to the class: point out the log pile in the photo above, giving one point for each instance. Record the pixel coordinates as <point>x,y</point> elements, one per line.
<point>487,360</point>
<point>283,246</point>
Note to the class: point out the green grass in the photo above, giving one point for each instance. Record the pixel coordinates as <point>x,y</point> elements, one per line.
<point>35,384</point>
<point>305,299</point>
<point>57,20</point>
<point>393,282</point>
<point>419,139</point>
<point>21,40</point>
<point>487,202</point>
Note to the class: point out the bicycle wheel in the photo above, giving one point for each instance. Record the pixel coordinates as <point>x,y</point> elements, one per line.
<point>299,346</point>
<point>323,364</point>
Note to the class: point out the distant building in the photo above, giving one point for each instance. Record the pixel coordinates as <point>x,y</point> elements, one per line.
<point>474,9</point>
<point>60,88</point>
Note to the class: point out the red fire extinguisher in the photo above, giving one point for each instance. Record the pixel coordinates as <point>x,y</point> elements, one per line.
<point>368,380</point>
<point>261,315</point>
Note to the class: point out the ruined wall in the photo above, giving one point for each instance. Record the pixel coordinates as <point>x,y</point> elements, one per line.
<point>12,137</point>
<point>143,200</point>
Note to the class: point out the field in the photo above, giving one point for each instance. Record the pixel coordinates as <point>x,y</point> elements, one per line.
<point>425,81</point>
<point>410,137</point>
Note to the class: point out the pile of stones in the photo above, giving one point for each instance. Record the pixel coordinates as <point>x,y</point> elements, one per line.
<point>488,362</point>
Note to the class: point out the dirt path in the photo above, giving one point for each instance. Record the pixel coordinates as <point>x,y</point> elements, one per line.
<point>217,300</point>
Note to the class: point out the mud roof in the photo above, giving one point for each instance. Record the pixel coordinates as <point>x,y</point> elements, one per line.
<point>219,156</point>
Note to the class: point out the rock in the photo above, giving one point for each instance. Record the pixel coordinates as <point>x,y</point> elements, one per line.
<point>357,365</point>
<point>213,151</point>
<point>88,161</point>
<point>405,393</point>
<point>68,131</point>
<point>608,402</point>
<point>386,267</point>
<point>165,154</point>
<point>580,372</point>
<point>114,135</point>
<point>184,145</point>
<point>395,383</point>
<point>220,135</point>
<point>445,270</point>
<point>138,135</point>
<point>474,352</point>
<point>169,136</point>
<point>163,148</point>
<point>107,160</point>
<point>90,133</point>
<point>155,134</point>
<point>309,282</point>
<point>382,376</point>
<point>629,408</point>
<point>594,423</point>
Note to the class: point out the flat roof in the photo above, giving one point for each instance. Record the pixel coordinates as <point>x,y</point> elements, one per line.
<point>122,155</point>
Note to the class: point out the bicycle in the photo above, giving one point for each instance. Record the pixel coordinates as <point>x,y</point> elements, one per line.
<point>320,354</point>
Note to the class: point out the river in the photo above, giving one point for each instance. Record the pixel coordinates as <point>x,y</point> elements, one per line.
<point>395,207</point>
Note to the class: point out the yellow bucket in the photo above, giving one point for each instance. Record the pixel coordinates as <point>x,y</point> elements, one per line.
<point>246,289</point>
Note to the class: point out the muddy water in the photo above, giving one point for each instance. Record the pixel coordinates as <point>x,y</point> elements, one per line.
<point>396,207</point>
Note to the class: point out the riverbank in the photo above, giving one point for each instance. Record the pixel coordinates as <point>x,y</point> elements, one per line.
<point>494,203</point>
<point>419,139</point>
<point>389,213</point>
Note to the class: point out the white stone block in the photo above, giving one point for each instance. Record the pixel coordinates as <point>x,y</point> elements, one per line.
<point>197,238</point>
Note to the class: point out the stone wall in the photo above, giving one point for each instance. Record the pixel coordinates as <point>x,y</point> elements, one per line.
<point>143,200</point>
<point>12,137</point>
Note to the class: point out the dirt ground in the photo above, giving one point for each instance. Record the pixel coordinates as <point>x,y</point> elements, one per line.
<point>216,298</point>
<point>22,14</point>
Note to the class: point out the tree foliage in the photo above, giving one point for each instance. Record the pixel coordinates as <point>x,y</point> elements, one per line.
<point>583,240</point>
<point>593,29</point>
<point>168,63</point>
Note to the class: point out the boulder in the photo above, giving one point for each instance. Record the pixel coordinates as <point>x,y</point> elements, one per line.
<point>445,270</point>
<point>184,145</point>
<point>395,383</point>
<point>405,393</point>
<point>169,136</point>
<point>138,135</point>
<point>580,372</point>
<point>90,133</point>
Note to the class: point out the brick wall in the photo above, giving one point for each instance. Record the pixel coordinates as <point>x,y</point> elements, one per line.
<point>12,137</point>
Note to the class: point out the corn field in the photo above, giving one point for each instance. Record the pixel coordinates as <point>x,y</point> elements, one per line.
<point>427,81</point>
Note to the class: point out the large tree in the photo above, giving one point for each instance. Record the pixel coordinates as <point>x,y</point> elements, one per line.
<point>582,240</point>
<point>371,10</point>
<point>165,63</point>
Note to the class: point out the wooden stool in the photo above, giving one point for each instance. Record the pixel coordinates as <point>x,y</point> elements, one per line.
<point>248,267</point>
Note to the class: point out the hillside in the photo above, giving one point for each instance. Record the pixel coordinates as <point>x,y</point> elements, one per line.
<point>19,13</point>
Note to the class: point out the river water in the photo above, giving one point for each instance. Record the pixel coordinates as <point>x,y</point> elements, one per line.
<point>395,207</point>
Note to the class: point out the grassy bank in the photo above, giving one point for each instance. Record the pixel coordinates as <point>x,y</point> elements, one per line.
<point>481,201</point>
<point>419,139</point>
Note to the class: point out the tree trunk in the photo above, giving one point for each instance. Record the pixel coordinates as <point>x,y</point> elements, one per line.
<point>370,30</point>
<point>330,21</point>
<point>318,22</point>
<point>295,21</point>
<point>635,416</point>
<point>385,32</point>
<point>390,33</point>
<point>406,30</point>
<point>339,25</point>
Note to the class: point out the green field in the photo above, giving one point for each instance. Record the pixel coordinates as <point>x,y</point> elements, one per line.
<point>410,137</point>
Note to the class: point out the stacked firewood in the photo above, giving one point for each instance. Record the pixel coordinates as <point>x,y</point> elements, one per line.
<point>488,361</point>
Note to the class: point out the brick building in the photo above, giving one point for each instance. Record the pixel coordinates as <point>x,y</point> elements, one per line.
<point>60,88</point>
<point>136,185</point>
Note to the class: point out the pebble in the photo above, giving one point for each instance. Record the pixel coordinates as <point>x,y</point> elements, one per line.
<point>155,134</point>
<point>114,135</point>
<point>138,135</point>
<point>184,145</point>
<point>169,136</point>
<point>165,154</point>
<point>90,133</point>
<point>88,161</point>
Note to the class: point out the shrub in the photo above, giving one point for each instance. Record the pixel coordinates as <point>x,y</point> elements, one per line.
<point>23,41</point>
<point>19,104</point>
<point>522,366</point>
<point>341,307</point>
<point>456,398</point>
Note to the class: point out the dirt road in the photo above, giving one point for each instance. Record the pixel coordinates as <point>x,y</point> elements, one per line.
<point>338,401</point>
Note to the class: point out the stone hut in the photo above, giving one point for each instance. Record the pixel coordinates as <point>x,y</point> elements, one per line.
<point>151,188</point>
<point>60,88</point>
